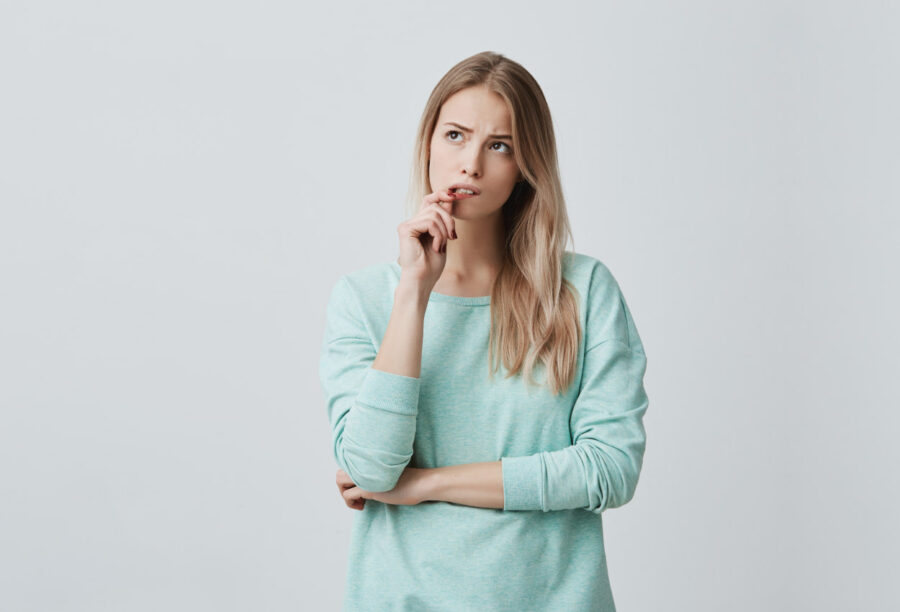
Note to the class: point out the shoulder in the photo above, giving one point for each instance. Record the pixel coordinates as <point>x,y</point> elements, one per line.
<point>371,276</point>
<point>590,276</point>
<point>606,312</point>
<point>365,288</point>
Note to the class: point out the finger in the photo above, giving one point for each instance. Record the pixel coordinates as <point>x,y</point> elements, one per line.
<point>344,482</point>
<point>437,230</point>
<point>444,200</point>
<point>449,221</point>
<point>444,195</point>
<point>352,495</point>
<point>425,222</point>
<point>355,504</point>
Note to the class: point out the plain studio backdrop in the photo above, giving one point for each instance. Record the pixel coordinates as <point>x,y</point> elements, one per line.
<point>182,183</point>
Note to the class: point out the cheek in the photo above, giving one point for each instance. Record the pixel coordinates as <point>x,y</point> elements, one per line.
<point>438,152</point>
<point>505,171</point>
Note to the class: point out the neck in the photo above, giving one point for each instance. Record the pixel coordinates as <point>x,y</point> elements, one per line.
<point>478,251</point>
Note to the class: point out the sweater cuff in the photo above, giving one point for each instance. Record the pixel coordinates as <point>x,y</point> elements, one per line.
<point>522,482</point>
<point>390,392</point>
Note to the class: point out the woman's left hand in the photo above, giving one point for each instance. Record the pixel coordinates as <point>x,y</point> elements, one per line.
<point>411,489</point>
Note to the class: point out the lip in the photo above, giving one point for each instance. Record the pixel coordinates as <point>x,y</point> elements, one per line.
<point>465,186</point>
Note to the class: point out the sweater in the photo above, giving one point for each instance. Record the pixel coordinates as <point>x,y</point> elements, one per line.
<point>565,458</point>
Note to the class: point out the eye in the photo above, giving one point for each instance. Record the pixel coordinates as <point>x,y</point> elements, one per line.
<point>506,150</point>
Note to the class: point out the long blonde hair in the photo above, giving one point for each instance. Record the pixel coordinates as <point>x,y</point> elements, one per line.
<point>534,310</point>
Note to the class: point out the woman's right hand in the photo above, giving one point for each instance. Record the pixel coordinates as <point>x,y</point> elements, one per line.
<point>423,240</point>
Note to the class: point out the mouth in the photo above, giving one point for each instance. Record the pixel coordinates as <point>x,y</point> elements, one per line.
<point>465,191</point>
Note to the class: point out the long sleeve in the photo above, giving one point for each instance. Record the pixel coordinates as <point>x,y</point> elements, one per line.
<point>402,557</point>
<point>372,412</point>
<point>601,468</point>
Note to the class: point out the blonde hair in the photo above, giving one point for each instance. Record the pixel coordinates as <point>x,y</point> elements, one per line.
<point>534,310</point>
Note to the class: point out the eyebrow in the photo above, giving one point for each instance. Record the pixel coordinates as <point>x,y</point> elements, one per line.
<point>465,129</point>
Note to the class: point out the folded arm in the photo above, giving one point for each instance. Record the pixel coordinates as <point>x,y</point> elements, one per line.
<point>468,484</point>
<point>600,470</point>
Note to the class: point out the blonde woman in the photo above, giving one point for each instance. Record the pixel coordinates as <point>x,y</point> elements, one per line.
<point>485,390</point>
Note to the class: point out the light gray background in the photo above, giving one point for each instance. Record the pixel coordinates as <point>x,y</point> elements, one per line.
<point>182,183</point>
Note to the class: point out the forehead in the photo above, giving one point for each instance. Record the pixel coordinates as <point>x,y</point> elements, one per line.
<point>477,108</point>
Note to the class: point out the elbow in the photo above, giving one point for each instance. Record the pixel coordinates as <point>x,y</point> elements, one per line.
<point>375,471</point>
<point>614,476</point>
<point>624,492</point>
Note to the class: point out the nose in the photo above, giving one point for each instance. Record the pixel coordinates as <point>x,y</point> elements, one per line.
<point>472,166</point>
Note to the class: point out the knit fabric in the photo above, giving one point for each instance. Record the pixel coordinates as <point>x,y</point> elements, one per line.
<point>565,458</point>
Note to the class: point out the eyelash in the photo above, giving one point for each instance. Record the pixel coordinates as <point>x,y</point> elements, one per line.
<point>508,148</point>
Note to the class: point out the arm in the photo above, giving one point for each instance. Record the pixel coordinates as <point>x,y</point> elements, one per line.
<point>469,484</point>
<point>372,399</point>
<point>401,347</point>
<point>600,470</point>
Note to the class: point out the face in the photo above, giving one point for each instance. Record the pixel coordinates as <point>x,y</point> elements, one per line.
<point>472,144</point>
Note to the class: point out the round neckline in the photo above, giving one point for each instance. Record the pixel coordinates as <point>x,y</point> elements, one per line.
<point>478,300</point>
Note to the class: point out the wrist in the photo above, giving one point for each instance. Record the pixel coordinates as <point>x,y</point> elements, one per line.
<point>411,290</point>
<point>432,484</point>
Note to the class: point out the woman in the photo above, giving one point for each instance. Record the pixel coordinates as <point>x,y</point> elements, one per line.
<point>477,491</point>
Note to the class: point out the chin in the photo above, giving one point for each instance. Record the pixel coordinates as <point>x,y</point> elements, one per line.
<point>471,213</point>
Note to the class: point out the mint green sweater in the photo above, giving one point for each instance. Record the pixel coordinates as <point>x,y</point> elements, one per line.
<point>565,458</point>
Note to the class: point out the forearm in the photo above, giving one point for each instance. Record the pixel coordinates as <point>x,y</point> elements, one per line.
<point>469,484</point>
<point>374,414</point>
<point>401,347</point>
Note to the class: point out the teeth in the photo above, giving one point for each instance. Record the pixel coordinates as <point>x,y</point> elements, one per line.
<point>461,190</point>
